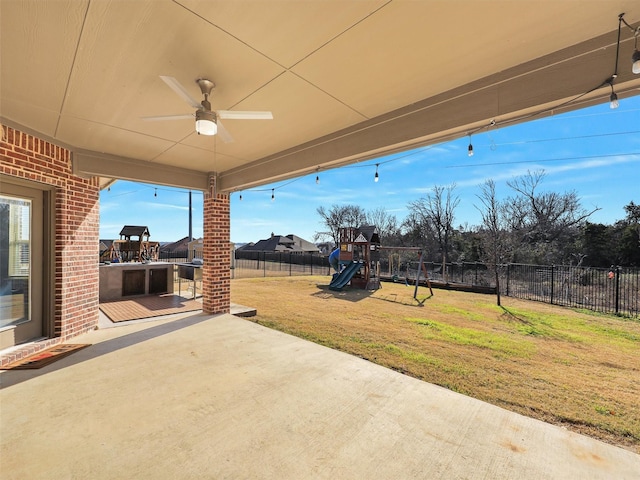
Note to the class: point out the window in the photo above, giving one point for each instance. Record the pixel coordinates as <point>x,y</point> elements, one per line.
<point>19,230</point>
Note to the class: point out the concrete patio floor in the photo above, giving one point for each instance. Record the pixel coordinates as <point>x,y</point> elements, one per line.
<point>196,396</point>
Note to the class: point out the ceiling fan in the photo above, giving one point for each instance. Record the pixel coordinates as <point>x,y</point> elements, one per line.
<point>207,120</point>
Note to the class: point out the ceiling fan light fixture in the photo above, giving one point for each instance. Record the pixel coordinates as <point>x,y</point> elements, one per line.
<point>206,123</point>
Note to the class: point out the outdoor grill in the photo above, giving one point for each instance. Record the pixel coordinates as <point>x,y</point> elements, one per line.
<point>190,271</point>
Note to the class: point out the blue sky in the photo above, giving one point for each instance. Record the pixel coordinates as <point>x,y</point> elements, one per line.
<point>594,151</point>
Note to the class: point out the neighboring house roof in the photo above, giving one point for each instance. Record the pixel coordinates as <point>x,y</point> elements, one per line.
<point>179,245</point>
<point>134,231</point>
<point>304,244</point>
<point>282,243</point>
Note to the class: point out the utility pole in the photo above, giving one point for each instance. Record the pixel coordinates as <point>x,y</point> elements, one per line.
<point>190,219</point>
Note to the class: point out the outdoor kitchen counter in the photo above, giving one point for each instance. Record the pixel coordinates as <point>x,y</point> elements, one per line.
<point>118,280</point>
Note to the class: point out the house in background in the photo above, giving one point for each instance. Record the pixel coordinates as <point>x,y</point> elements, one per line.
<point>281,243</point>
<point>177,248</point>
<point>183,249</point>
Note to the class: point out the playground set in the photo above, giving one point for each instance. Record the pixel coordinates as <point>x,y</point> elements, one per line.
<point>128,249</point>
<point>357,260</point>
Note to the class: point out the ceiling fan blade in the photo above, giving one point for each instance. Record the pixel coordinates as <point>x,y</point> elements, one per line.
<point>181,91</point>
<point>168,117</point>
<point>223,133</point>
<point>233,115</point>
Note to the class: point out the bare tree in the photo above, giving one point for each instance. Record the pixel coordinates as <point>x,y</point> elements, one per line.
<point>543,219</point>
<point>494,234</point>
<point>387,225</point>
<point>339,216</point>
<point>417,231</point>
<point>438,210</point>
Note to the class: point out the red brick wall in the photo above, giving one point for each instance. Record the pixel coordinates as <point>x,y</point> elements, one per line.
<point>77,219</point>
<point>216,272</point>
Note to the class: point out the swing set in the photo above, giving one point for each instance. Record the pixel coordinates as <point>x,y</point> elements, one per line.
<point>421,268</point>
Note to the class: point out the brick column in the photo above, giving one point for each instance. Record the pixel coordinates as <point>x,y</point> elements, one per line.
<point>216,272</point>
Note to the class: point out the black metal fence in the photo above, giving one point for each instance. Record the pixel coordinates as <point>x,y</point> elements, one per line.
<point>277,264</point>
<point>466,273</point>
<point>604,290</point>
<point>179,256</point>
<point>599,289</point>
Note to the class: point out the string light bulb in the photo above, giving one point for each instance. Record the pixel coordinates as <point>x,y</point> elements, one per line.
<point>273,195</point>
<point>635,58</point>
<point>376,177</point>
<point>317,179</point>
<point>240,197</point>
<point>155,194</point>
<point>613,99</point>
<point>470,149</point>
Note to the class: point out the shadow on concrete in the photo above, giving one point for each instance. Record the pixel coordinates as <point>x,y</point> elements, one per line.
<point>14,377</point>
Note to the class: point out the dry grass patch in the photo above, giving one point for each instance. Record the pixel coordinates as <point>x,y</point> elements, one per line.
<point>571,368</point>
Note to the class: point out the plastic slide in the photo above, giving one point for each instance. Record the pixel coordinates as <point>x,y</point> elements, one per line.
<point>341,279</point>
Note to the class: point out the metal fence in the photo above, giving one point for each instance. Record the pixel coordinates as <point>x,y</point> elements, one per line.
<point>466,273</point>
<point>278,264</point>
<point>599,289</point>
<point>179,256</point>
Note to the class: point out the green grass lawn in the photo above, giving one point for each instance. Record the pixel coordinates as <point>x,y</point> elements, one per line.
<point>572,368</point>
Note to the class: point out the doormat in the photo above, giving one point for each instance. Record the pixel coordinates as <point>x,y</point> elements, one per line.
<point>50,355</point>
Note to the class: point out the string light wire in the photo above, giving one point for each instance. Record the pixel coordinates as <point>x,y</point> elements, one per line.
<point>523,142</point>
<point>588,157</point>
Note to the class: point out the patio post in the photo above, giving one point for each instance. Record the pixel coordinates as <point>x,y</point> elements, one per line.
<point>216,291</point>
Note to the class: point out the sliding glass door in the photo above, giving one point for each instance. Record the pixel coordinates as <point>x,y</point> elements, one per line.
<point>21,264</point>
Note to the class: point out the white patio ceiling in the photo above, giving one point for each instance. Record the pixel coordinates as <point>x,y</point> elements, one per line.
<point>346,80</point>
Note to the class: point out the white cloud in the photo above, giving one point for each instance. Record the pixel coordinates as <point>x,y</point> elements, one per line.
<point>163,206</point>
